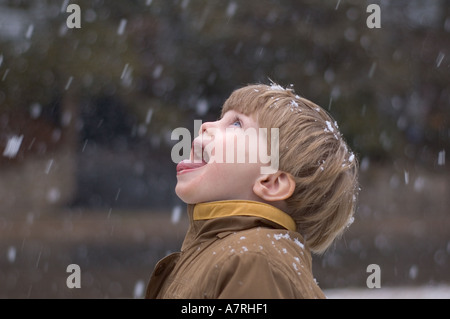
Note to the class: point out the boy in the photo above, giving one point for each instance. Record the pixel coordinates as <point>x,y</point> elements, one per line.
<point>251,233</point>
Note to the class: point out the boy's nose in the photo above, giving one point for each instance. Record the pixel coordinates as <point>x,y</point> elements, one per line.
<point>204,127</point>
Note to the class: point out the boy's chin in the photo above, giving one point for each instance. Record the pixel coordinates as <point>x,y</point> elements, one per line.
<point>184,196</point>
<point>192,199</point>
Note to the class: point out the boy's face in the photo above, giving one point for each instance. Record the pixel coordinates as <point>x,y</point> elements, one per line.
<point>229,167</point>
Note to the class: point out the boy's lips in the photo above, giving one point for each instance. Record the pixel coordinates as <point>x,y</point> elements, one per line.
<point>187,165</point>
<point>195,161</point>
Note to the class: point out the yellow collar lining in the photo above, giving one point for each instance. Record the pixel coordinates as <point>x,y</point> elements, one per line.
<point>210,210</point>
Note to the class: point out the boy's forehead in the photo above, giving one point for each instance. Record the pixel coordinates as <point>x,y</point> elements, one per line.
<point>231,112</point>
<point>261,102</point>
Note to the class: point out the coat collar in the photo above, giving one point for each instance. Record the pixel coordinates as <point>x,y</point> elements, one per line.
<point>216,219</point>
<point>228,208</point>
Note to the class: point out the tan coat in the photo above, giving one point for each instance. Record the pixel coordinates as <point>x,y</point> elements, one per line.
<point>236,249</point>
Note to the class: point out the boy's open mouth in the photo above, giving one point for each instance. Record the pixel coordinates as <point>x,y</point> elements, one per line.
<point>187,165</point>
<point>195,161</point>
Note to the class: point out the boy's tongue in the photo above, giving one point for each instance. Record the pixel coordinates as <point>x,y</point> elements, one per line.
<point>187,164</point>
<point>196,159</point>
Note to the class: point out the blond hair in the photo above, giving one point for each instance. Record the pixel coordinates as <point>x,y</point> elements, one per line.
<point>313,151</point>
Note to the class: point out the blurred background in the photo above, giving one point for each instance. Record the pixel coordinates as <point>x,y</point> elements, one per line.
<point>86,116</point>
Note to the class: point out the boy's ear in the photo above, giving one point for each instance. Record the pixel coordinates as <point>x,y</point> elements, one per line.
<point>274,187</point>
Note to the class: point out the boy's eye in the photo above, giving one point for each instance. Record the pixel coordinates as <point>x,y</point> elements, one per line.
<point>237,123</point>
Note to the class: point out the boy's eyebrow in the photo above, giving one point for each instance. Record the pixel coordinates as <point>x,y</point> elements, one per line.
<point>222,115</point>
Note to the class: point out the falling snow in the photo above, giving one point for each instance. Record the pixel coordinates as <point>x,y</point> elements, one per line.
<point>176,214</point>
<point>139,288</point>
<point>11,254</point>
<point>330,128</point>
<point>30,31</point>
<point>69,82</point>
<point>48,167</point>
<point>13,146</point>
<point>231,9</point>
<point>276,87</point>
<point>279,236</point>
<point>53,195</point>
<point>85,115</point>
<point>148,117</point>
<point>35,110</point>
<point>439,59</point>
<point>122,26</point>
<point>441,158</point>
<point>351,158</point>
<point>299,243</point>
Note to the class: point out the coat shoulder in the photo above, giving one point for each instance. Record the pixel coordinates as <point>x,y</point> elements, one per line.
<point>261,259</point>
<point>261,239</point>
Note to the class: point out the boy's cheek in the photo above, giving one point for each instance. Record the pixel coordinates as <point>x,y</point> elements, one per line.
<point>210,154</point>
